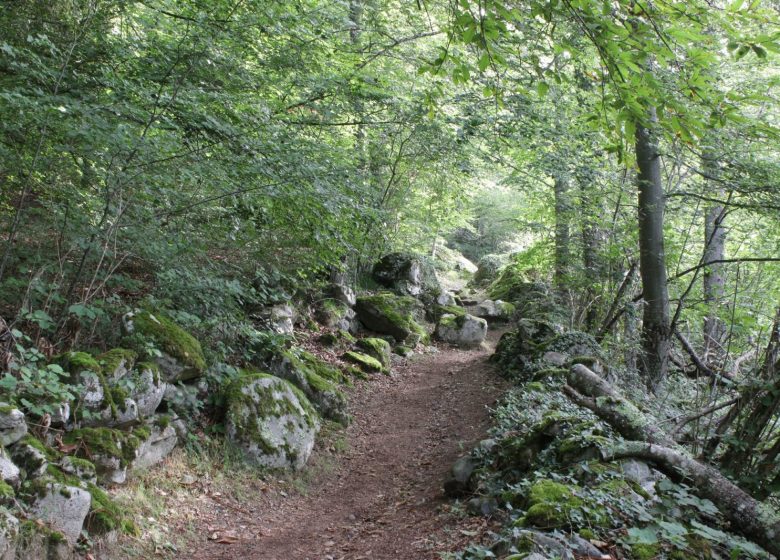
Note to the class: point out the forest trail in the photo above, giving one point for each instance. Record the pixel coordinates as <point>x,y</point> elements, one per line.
<point>383,498</point>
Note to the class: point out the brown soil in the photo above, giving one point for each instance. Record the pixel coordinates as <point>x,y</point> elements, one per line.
<point>381,498</point>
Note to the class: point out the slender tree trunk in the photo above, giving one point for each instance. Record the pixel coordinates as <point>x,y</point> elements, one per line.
<point>654,361</point>
<point>714,281</point>
<point>562,219</point>
<point>591,246</point>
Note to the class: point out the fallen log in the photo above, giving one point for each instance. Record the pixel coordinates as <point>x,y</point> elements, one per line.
<point>607,403</point>
<point>747,515</point>
<point>752,518</point>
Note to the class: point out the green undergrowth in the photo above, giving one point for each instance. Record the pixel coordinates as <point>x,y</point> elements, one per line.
<point>544,467</point>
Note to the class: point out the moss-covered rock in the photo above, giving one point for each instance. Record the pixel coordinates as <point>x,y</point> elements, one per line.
<point>465,331</point>
<point>403,351</point>
<point>552,504</point>
<point>116,363</point>
<point>183,357</point>
<point>408,274</point>
<point>31,456</point>
<point>334,313</point>
<point>317,379</point>
<point>376,348</point>
<point>337,339</point>
<point>365,362</point>
<point>645,551</point>
<point>110,449</point>
<point>271,420</point>
<point>13,425</point>
<point>394,315</point>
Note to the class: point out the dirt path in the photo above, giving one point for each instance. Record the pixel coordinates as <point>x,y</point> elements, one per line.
<point>382,499</point>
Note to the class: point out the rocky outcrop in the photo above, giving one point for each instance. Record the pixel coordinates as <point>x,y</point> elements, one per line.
<point>63,508</point>
<point>377,348</point>
<point>12,424</point>
<point>463,330</point>
<point>182,356</point>
<point>394,315</point>
<point>318,380</point>
<point>408,274</point>
<point>271,421</point>
<point>157,446</point>
<point>495,310</point>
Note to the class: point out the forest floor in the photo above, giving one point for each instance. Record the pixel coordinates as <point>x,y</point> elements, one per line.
<point>374,490</point>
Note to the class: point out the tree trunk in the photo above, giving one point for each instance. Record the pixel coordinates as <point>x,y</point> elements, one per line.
<point>746,514</point>
<point>714,281</point>
<point>654,361</point>
<point>562,218</point>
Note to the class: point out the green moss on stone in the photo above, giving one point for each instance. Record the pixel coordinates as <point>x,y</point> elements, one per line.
<point>245,406</point>
<point>171,338</point>
<point>112,359</point>
<point>6,491</point>
<point>77,362</point>
<point>376,348</point>
<point>454,322</point>
<point>151,366</point>
<point>397,310</point>
<point>50,453</point>
<point>356,372</point>
<point>364,361</point>
<point>105,515</point>
<point>551,504</point>
<point>321,368</point>
<point>104,441</point>
<point>645,551</point>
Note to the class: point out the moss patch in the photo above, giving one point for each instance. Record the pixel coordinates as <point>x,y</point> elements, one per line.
<point>171,338</point>
<point>364,361</point>
<point>551,504</point>
<point>645,551</point>
<point>104,441</point>
<point>77,362</point>
<point>6,491</point>
<point>391,314</point>
<point>376,348</point>
<point>106,516</point>
<point>112,359</point>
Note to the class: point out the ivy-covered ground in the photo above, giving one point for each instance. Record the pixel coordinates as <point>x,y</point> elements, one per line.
<point>542,474</point>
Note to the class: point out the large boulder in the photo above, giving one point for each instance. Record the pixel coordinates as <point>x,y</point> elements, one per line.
<point>317,379</point>
<point>157,446</point>
<point>271,420</point>
<point>409,275</point>
<point>495,310</point>
<point>464,330</point>
<point>337,314</point>
<point>148,388</point>
<point>394,315</point>
<point>64,508</point>
<point>488,268</point>
<point>281,319</point>
<point>343,293</point>
<point>13,427</point>
<point>377,348</point>
<point>111,450</point>
<point>181,356</point>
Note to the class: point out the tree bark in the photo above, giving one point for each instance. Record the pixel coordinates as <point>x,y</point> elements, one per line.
<point>654,361</point>
<point>746,514</point>
<point>562,219</point>
<point>714,250</point>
